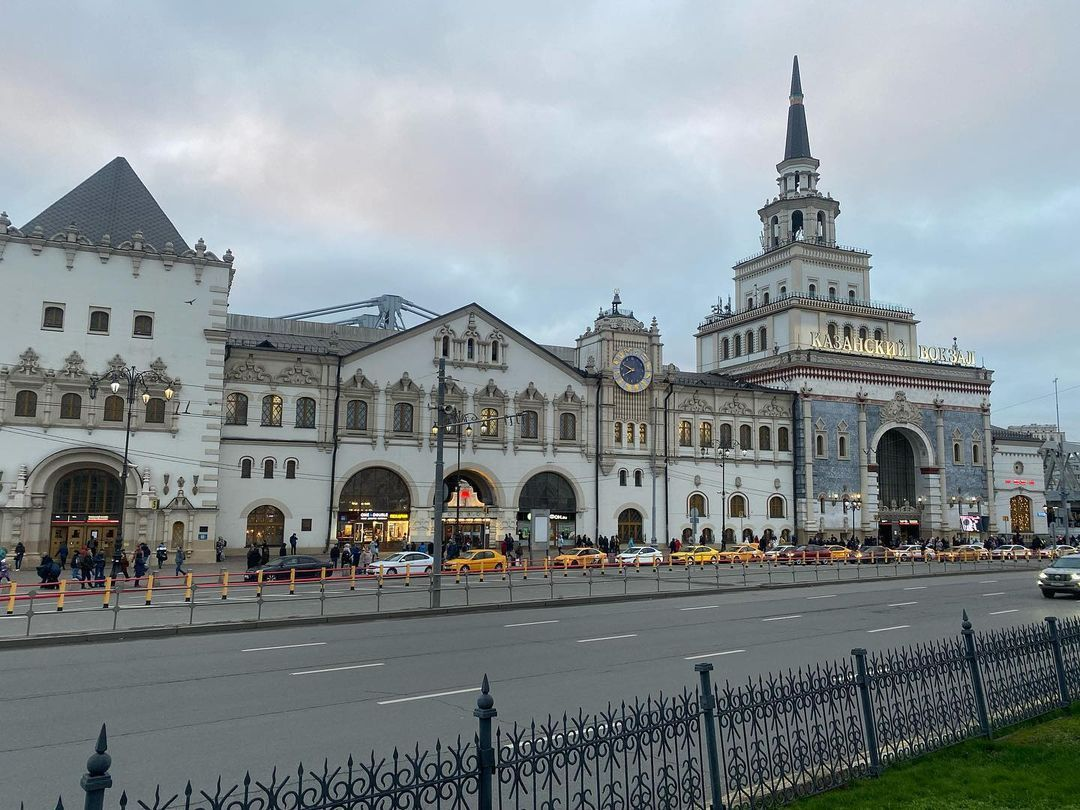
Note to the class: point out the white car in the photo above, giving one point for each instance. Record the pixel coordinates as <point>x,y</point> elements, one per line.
<point>917,553</point>
<point>643,555</point>
<point>414,562</point>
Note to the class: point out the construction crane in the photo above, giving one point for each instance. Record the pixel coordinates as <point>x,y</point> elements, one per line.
<point>390,313</point>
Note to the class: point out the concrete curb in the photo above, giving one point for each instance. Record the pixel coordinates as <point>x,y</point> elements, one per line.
<point>137,634</point>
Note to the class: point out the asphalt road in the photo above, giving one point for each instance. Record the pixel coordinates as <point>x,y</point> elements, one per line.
<point>196,706</point>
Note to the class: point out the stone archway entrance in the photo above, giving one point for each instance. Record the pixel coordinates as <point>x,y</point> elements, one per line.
<point>374,508</point>
<point>630,524</point>
<point>899,504</point>
<point>264,524</point>
<point>86,511</point>
<point>468,509</point>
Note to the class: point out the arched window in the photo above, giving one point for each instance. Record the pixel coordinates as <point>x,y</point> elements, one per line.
<point>71,406</point>
<point>705,434</point>
<point>630,525</point>
<point>631,432</point>
<point>738,345</point>
<point>530,425</point>
<point>356,415</point>
<point>878,334</point>
<point>1020,514</point>
<point>53,318</point>
<point>775,231</point>
<point>813,290</point>
<point>737,506</point>
<point>820,446</point>
<point>783,441</point>
<point>618,433</point>
<point>831,329</point>
<point>403,418</point>
<point>832,292</point>
<point>862,332</point>
<point>305,412</point>
<point>821,226</point>
<point>725,435</point>
<point>99,322</point>
<point>976,454</point>
<point>851,295</point>
<point>847,332</point>
<point>783,290</point>
<point>750,342</point>
<point>245,468</point>
<point>765,297</point>
<point>470,350</point>
<point>622,478</point>
<point>726,348</point>
<point>685,439</point>
<point>749,303</point>
<point>236,409</point>
<point>271,410</point>
<point>764,438</point>
<point>763,343</point>
<point>266,524</point>
<point>445,351</point>
<point>268,468</point>
<point>290,468</point>
<point>639,477</point>
<point>643,433</point>
<point>776,507</point>
<point>841,446</point>
<point>746,437</point>
<point>26,403</point>
<point>567,427</point>
<point>155,411</point>
<point>495,351</point>
<point>490,422</point>
<point>114,409</point>
<point>144,326</point>
<point>796,223</point>
<point>957,454</point>
<point>699,502</point>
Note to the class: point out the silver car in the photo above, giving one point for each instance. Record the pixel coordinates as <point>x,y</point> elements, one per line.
<point>1061,577</point>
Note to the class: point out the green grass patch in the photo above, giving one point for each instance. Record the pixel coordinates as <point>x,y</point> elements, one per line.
<point>1035,767</point>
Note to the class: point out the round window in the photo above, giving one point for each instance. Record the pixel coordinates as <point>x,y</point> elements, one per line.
<point>1018,468</point>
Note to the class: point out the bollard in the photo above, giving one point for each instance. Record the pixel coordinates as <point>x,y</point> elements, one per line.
<point>862,681</point>
<point>708,706</point>
<point>107,595</point>
<point>637,565</point>
<point>224,584</point>
<point>380,577</point>
<point>149,589</point>
<point>584,566</point>
<point>524,568</point>
<point>292,581</point>
<point>322,573</point>
<point>481,573</point>
<point>564,568</point>
<point>603,565</point>
<point>485,754</point>
<point>407,569</point>
<point>60,596</point>
<point>976,677</point>
<point>1059,661</point>
<point>545,566</point>
<point>188,580</point>
<point>11,598</point>
<point>258,588</point>
<point>352,579</point>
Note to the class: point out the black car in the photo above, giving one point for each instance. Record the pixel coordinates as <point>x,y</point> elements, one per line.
<point>305,567</point>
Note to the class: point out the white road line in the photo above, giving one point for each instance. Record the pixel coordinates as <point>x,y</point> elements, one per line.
<point>530,624</point>
<point>995,593</point>
<point>902,604</point>
<point>987,581</point>
<point>285,646</point>
<point>336,669</point>
<point>781,618</point>
<point>432,695</point>
<point>895,627</point>
<point>1000,612</point>
<point>915,588</point>
<point>824,596</point>
<point>701,607</point>
<point>712,655</point>
<point>605,638</point>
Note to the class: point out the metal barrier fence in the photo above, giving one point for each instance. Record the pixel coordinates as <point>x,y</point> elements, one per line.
<point>760,743</point>
<point>203,598</point>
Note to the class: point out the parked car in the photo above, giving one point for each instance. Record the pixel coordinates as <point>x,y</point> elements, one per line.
<point>480,559</point>
<point>1063,576</point>
<point>873,553</point>
<point>779,554</point>
<point>915,553</point>
<point>838,553</point>
<point>1053,552</point>
<point>579,558</point>
<point>414,562</point>
<point>1011,552</point>
<point>641,555</point>
<point>965,553</point>
<point>696,554</point>
<point>811,554</point>
<point>745,553</point>
<point>305,567</point>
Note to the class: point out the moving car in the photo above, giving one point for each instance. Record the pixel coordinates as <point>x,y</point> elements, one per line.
<point>1063,576</point>
<point>811,554</point>
<point>779,554</point>
<point>745,553</point>
<point>915,553</point>
<point>839,553</point>
<point>579,558</point>
<point>1053,552</point>
<point>305,567</point>
<point>966,553</point>
<point>1011,552</point>
<point>480,559</point>
<point>641,555</point>
<point>414,562</point>
<point>873,553</point>
<point>696,554</point>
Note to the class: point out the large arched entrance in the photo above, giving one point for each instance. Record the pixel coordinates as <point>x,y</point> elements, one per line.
<point>554,493</point>
<point>630,524</point>
<point>264,524</point>
<point>1020,514</point>
<point>86,511</point>
<point>898,495</point>
<point>469,497</point>
<point>374,508</point>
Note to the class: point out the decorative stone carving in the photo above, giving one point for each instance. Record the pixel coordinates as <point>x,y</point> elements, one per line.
<point>736,407</point>
<point>773,408</point>
<point>405,384</point>
<point>570,396</point>
<point>530,394</point>
<point>74,365</point>
<point>693,404</point>
<point>900,410</point>
<point>297,375</point>
<point>28,362</point>
<point>491,391</point>
<point>117,364</point>
<point>249,371</point>
<point>360,381</point>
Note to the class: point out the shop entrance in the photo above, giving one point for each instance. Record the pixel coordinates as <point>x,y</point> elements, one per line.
<point>374,509</point>
<point>86,512</point>
<point>552,492</point>
<point>465,512</point>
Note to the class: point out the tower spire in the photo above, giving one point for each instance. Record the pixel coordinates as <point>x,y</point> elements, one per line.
<point>798,140</point>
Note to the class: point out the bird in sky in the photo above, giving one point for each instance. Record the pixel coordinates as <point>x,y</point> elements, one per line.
<point>192,301</point>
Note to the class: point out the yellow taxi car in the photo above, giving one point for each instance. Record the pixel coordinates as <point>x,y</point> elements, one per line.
<point>579,558</point>
<point>745,553</point>
<point>839,553</point>
<point>966,553</point>
<point>475,560</point>
<point>696,554</point>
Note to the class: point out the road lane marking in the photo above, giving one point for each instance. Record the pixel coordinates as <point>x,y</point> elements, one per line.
<point>701,607</point>
<point>285,646</point>
<point>895,627</point>
<point>824,596</point>
<point>902,604</point>
<point>915,588</point>
<point>1000,612</point>
<point>337,669</point>
<point>781,618</point>
<point>530,624</point>
<point>432,695</point>
<point>987,581</point>
<point>605,638</point>
<point>712,655</point>
<point>995,593</point>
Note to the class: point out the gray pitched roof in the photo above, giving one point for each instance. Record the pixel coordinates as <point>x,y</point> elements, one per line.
<point>111,201</point>
<point>798,139</point>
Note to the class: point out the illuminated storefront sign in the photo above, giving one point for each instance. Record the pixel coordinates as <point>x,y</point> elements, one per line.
<point>872,347</point>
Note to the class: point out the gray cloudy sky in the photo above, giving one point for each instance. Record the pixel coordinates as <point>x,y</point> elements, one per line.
<point>532,157</point>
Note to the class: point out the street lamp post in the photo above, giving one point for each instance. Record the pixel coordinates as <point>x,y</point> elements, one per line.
<point>723,453</point>
<point>134,381</point>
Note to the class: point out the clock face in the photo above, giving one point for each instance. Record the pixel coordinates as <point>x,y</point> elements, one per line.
<point>632,370</point>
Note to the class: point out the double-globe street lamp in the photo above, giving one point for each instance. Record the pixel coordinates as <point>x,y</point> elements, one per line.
<point>851,500</point>
<point>722,452</point>
<point>134,381</point>
<point>463,428</point>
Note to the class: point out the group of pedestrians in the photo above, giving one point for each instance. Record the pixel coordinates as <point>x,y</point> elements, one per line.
<point>354,555</point>
<point>88,564</point>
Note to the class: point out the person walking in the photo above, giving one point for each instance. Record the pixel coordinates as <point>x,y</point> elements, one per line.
<point>282,549</point>
<point>20,552</point>
<point>140,566</point>
<point>179,562</point>
<point>346,555</point>
<point>219,549</point>
<point>5,572</point>
<point>62,554</point>
<point>292,543</point>
<point>253,556</point>
<point>86,565</point>
<point>125,563</point>
<point>335,554</point>
<point>356,555</point>
<point>99,569</point>
<point>162,554</point>
<point>264,553</point>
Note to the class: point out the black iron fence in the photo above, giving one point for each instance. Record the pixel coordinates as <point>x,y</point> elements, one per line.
<point>756,744</point>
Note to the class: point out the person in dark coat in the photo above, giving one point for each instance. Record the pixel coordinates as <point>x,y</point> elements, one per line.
<point>99,569</point>
<point>140,566</point>
<point>20,552</point>
<point>335,553</point>
<point>254,556</point>
<point>62,554</point>
<point>282,549</point>
<point>86,565</point>
<point>264,551</point>
<point>292,543</point>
